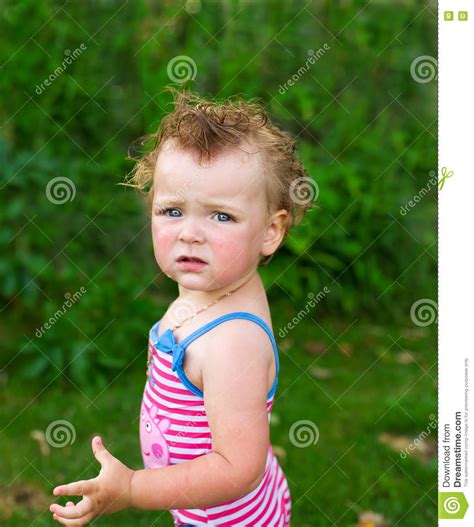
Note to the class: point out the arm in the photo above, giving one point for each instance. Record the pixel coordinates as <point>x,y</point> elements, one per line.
<point>235,377</point>
<point>202,482</point>
<point>235,380</point>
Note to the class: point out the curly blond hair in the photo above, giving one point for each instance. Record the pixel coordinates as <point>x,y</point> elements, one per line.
<point>210,127</point>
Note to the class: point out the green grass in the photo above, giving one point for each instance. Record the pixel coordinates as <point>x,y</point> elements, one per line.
<point>347,471</point>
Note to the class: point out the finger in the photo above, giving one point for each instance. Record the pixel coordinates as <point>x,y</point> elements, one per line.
<point>100,452</point>
<point>74,523</point>
<point>72,511</point>
<point>78,488</point>
<point>70,504</point>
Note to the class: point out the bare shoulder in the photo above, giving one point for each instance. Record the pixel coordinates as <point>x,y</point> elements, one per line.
<point>238,344</point>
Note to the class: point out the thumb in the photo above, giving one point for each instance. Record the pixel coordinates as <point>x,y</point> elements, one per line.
<point>100,452</point>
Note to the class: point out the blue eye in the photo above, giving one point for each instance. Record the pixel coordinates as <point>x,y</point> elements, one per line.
<point>229,218</point>
<point>164,211</point>
<point>223,218</point>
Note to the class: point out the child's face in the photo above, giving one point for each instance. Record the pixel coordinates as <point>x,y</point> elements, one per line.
<point>216,213</point>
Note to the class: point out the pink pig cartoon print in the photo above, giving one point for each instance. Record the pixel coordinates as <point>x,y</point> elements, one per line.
<point>154,448</point>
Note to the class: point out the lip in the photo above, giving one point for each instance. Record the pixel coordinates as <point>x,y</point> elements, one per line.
<point>191,266</point>
<point>189,256</point>
<point>146,453</point>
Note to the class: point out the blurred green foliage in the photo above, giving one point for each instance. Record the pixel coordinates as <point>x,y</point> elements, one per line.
<point>366,130</point>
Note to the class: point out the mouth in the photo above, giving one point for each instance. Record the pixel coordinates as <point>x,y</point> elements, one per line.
<point>146,453</point>
<point>190,263</point>
<point>184,258</point>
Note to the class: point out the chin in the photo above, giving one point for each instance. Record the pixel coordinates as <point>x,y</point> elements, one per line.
<point>192,281</point>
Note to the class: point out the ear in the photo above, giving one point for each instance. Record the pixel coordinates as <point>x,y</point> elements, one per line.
<point>274,232</point>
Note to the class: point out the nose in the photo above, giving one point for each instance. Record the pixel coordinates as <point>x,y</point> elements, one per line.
<point>190,232</point>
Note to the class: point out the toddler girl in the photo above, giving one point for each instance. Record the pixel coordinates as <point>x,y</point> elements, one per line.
<point>224,187</point>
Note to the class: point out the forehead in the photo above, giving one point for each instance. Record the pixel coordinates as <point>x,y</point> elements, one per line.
<point>235,173</point>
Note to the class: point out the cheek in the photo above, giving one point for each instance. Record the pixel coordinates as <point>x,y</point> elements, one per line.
<point>162,242</point>
<point>233,252</point>
<point>228,247</point>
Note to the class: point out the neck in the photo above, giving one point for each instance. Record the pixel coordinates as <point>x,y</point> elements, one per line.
<point>201,298</point>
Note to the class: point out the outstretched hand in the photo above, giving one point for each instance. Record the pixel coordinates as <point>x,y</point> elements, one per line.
<point>108,492</point>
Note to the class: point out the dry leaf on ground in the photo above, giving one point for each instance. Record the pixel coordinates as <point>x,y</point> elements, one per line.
<point>395,442</point>
<point>347,348</point>
<point>320,373</point>
<point>315,348</point>
<point>21,496</point>
<point>285,344</point>
<point>405,357</point>
<point>414,333</point>
<point>279,451</point>
<point>39,436</point>
<point>422,448</point>
<point>372,519</point>
<point>377,330</point>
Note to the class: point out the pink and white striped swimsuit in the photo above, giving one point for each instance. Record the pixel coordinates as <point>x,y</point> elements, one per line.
<point>174,429</point>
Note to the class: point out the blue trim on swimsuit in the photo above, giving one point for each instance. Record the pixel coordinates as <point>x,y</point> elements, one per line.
<point>204,329</point>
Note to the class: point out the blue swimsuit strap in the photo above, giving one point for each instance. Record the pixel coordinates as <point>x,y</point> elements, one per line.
<point>237,314</point>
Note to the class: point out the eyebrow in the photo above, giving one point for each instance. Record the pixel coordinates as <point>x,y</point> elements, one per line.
<point>172,201</point>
